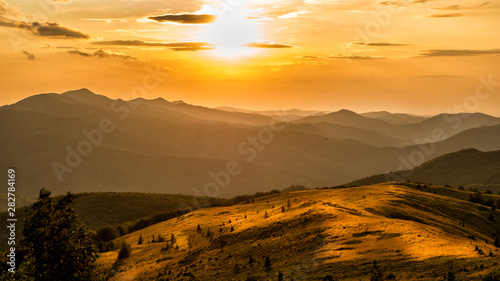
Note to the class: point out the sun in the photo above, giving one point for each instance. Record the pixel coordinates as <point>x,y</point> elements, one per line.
<point>231,31</point>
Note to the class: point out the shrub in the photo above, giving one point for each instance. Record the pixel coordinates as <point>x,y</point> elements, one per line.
<point>125,251</point>
<point>488,191</point>
<point>476,198</point>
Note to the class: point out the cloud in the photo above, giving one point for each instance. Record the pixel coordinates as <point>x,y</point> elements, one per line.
<point>450,15</point>
<point>354,57</point>
<point>47,29</point>
<point>100,53</point>
<point>268,45</point>
<point>458,53</point>
<point>307,57</point>
<point>53,30</point>
<point>461,7</point>
<point>383,44</point>
<point>181,46</point>
<point>29,55</point>
<point>184,18</point>
<point>403,4</point>
<point>439,76</point>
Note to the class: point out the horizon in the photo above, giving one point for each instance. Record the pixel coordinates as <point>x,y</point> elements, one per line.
<point>321,55</point>
<point>226,107</point>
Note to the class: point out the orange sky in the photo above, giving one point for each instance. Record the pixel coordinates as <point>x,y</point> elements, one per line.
<point>416,56</point>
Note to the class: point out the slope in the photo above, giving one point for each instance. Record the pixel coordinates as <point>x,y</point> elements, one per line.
<point>310,234</point>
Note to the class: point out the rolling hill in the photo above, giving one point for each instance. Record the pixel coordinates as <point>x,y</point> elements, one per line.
<point>469,168</point>
<point>309,235</point>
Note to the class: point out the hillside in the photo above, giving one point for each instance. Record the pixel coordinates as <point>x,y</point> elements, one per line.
<point>469,168</point>
<point>339,232</point>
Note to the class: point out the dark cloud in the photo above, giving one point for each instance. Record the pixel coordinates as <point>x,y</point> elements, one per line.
<point>181,46</point>
<point>268,45</point>
<point>450,15</point>
<point>461,7</point>
<point>184,18</point>
<point>354,57</point>
<point>100,53</point>
<point>52,30</point>
<point>457,53</point>
<point>383,44</point>
<point>29,55</point>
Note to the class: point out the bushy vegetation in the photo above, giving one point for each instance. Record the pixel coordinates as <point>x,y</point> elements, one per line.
<point>55,244</point>
<point>125,251</point>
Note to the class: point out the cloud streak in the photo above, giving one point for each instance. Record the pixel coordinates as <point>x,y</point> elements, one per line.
<point>383,44</point>
<point>100,53</point>
<point>268,45</point>
<point>354,57</point>
<point>184,18</point>
<point>458,53</point>
<point>450,15</point>
<point>461,7</point>
<point>180,46</point>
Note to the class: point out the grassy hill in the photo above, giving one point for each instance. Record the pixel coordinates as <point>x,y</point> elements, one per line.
<point>308,235</point>
<point>469,168</point>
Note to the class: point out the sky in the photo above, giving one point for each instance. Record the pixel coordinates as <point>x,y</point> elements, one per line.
<point>414,56</point>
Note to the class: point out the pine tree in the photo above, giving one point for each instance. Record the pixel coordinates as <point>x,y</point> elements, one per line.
<point>172,239</point>
<point>140,240</point>
<point>267,262</point>
<point>496,243</point>
<point>376,273</point>
<point>266,215</point>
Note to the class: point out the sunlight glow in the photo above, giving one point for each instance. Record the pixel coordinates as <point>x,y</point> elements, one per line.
<point>230,33</point>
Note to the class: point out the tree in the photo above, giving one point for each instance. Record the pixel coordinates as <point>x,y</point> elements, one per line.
<point>283,209</point>
<point>488,191</point>
<point>289,204</point>
<point>191,240</point>
<point>172,239</point>
<point>461,188</point>
<point>250,261</point>
<point>154,239</point>
<point>377,274</point>
<point>198,228</point>
<point>108,233</point>
<point>496,243</point>
<point>489,202</point>
<point>280,276</point>
<point>476,198</point>
<point>125,251</point>
<point>58,245</point>
<point>160,238</point>
<point>141,240</point>
<point>267,262</point>
<point>266,215</point>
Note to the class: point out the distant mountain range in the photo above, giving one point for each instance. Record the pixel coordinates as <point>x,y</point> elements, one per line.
<point>79,141</point>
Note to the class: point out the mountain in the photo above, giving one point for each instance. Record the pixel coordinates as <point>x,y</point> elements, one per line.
<point>394,118</point>
<point>82,142</point>
<point>469,168</point>
<point>444,125</point>
<point>309,235</point>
